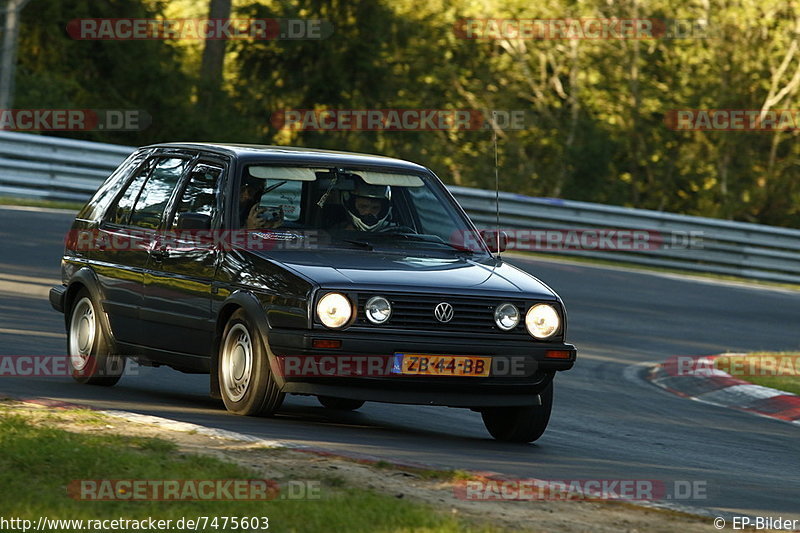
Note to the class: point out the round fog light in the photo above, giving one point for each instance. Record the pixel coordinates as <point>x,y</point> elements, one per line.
<point>506,316</point>
<point>378,309</point>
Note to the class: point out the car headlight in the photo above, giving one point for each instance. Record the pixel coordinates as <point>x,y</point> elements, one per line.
<point>334,310</point>
<point>506,316</point>
<point>542,321</point>
<point>378,309</point>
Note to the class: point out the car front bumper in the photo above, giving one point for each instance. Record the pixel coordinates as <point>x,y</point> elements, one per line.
<point>520,369</point>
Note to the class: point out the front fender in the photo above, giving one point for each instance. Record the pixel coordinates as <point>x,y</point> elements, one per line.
<point>253,307</point>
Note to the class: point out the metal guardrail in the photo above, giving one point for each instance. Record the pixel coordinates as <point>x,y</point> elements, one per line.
<point>725,247</point>
<point>51,168</point>
<point>35,166</point>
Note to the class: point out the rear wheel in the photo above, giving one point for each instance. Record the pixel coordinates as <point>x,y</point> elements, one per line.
<point>519,424</point>
<point>89,354</point>
<point>340,404</point>
<point>245,377</point>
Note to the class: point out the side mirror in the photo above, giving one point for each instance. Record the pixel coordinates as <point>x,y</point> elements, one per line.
<point>194,221</point>
<point>490,238</point>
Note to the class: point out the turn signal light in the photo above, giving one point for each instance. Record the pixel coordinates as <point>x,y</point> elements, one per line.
<point>326,343</point>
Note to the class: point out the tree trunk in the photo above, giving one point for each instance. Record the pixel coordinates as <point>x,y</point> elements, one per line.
<point>213,58</point>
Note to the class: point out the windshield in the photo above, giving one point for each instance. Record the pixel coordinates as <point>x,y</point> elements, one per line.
<point>354,208</point>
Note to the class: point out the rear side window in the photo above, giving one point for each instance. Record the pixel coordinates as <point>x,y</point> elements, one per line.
<point>120,213</point>
<point>155,195</point>
<point>105,194</point>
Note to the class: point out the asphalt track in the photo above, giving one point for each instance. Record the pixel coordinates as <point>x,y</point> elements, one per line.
<point>607,422</point>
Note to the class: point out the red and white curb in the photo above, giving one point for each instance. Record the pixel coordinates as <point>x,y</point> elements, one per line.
<point>716,387</point>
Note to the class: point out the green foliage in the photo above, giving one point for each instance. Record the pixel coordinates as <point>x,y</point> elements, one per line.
<point>595,109</point>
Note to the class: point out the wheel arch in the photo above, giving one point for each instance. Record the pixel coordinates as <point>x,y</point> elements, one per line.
<point>85,278</point>
<point>247,301</point>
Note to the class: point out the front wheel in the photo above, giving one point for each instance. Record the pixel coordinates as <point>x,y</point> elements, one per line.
<point>340,404</point>
<point>89,356</point>
<point>519,424</point>
<point>245,377</point>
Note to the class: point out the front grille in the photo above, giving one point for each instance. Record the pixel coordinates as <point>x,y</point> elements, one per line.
<point>416,312</point>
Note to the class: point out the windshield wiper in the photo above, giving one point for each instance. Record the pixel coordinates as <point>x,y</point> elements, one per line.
<point>362,244</point>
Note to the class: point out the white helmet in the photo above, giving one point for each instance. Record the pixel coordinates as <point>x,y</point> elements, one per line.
<point>369,222</point>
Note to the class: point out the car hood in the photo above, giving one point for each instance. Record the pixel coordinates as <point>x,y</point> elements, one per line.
<point>373,269</point>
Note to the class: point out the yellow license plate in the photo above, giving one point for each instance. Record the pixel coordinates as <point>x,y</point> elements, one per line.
<point>412,364</point>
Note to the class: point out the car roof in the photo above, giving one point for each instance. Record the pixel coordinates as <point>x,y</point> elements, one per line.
<point>294,154</point>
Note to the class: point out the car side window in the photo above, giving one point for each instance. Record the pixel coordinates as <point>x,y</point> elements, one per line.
<point>151,203</point>
<point>121,212</point>
<point>98,205</point>
<point>200,193</point>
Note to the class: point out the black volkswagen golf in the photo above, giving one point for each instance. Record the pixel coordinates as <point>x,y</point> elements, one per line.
<point>283,270</point>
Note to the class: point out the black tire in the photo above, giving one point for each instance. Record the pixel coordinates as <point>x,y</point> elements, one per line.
<point>90,356</point>
<point>245,378</point>
<point>519,424</point>
<point>341,404</point>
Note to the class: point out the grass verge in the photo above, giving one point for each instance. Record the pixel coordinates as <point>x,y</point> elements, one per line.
<point>776,370</point>
<point>37,463</point>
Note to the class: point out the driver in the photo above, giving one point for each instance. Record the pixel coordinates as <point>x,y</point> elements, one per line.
<point>368,207</point>
<point>251,214</point>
